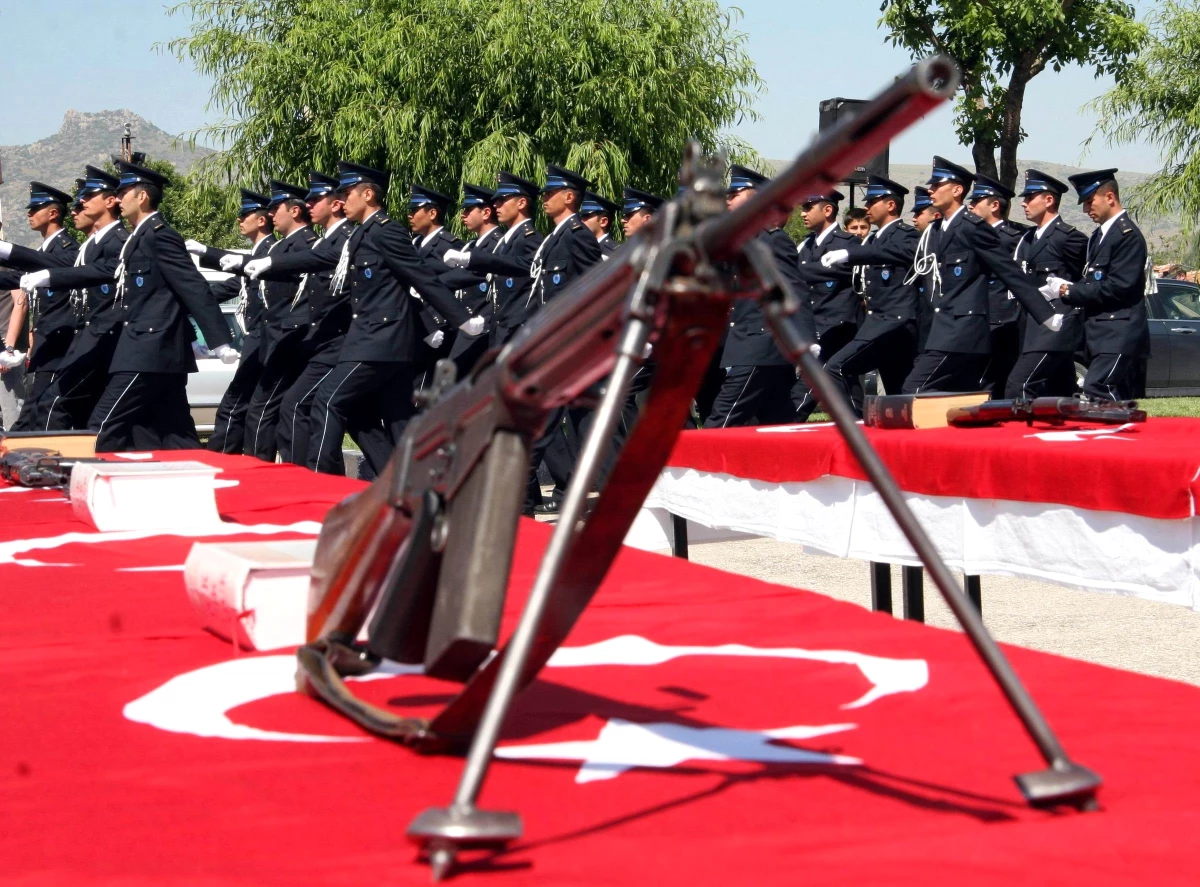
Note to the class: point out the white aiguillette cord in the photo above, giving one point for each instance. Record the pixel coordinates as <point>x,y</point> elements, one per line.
<point>925,262</point>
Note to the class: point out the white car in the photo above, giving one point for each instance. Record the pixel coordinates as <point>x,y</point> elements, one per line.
<point>206,387</point>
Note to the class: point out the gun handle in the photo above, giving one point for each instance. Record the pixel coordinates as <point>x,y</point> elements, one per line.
<point>359,540</point>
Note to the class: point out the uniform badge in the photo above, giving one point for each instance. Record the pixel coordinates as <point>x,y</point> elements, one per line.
<point>886,274</point>
<point>829,284</point>
<point>1098,274</point>
<point>958,270</point>
<point>367,273</point>
<point>138,281</point>
<point>104,288</point>
<point>557,279</point>
<point>483,287</point>
<point>508,283</point>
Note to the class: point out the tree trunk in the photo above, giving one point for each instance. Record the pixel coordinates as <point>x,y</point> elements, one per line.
<point>1010,130</point>
<point>983,152</point>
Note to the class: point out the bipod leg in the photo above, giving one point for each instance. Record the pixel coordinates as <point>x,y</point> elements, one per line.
<point>1064,781</point>
<point>444,831</point>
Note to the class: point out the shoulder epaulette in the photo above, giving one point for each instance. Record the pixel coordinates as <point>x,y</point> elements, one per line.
<point>160,225</point>
<point>576,226</point>
<point>383,220</point>
<point>773,230</point>
<point>529,232</point>
<point>1125,225</point>
<point>904,226</point>
<point>969,216</point>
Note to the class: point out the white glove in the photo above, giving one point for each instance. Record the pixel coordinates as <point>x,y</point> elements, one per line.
<point>195,247</point>
<point>226,354</point>
<point>11,359</point>
<point>232,262</point>
<point>1053,323</point>
<point>835,257</point>
<point>255,267</point>
<point>472,327</point>
<point>1056,284</point>
<point>434,339</point>
<point>31,281</point>
<point>5,250</point>
<point>457,258</point>
<point>1049,291</point>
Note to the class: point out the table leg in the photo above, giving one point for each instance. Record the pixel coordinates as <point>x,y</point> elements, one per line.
<point>974,591</point>
<point>679,540</point>
<point>881,588</point>
<point>914,593</point>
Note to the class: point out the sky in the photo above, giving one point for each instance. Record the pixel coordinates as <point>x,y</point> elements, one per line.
<point>805,51</point>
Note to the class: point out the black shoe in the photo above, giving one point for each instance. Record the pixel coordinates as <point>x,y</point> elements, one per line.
<point>526,512</point>
<point>547,506</point>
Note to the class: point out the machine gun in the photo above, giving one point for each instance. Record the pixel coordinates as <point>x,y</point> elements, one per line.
<point>39,467</point>
<point>427,548</point>
<point>1052,410</point>
<point>36,468</point>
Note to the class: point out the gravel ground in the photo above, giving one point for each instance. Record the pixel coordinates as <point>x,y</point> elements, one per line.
<point>1123,632</point>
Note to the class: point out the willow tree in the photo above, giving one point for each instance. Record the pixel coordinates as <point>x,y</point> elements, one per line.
<point>447,91</point>
<point>1157,101</point>
<point>1001,46</point>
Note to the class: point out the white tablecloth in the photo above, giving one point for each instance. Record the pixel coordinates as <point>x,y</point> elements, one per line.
<point>1147,557</point>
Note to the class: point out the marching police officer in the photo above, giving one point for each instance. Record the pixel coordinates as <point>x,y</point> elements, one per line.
<point>83,370</point>
<point>329,312</point>
<point>286,317</point>
<point>473,287</point>
<point>370,388</point>
<point>254,223</point>
<point>1111,292</point>
<point>54,321</point>
<point>887,340</point>
<point>923,215</point>
<point>991,200</point>
<point>598,214</point>
<point>145,401</point>
<point>1046,366</point>
<point>835,304</point>
<point>959,253</point>
<point>758,378</point>
<point>427,210</point>
<point>508,264</point>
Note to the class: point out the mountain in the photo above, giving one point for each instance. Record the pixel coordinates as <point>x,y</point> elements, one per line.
<point>1158,230</point>
<point>59,159</point>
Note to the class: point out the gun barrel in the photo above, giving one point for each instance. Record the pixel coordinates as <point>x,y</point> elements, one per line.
<point>833,155</point>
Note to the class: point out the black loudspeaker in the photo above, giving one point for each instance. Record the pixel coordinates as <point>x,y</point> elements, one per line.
<point>834,111</point>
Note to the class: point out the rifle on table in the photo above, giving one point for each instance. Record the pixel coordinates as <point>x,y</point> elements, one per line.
<point>35,467</point>
<point>428,547</point>
<point>1052,410</point>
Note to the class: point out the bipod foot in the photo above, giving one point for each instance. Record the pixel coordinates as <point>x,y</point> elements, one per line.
<point>442,832</point>
<point>1064,783</point>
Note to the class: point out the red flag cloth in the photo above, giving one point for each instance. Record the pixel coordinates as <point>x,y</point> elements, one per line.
<point>699,728</point>
<point>1150,469</point>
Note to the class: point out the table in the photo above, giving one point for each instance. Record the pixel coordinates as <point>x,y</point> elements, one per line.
<point>1093,507</point>
<point>698,729</point>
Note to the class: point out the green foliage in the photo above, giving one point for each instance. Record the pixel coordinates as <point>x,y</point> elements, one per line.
<point>443,92</point>
<point>1003,44</point>
<point>1157,100</point>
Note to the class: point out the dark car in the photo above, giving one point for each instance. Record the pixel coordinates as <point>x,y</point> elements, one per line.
<point>1174,368</point>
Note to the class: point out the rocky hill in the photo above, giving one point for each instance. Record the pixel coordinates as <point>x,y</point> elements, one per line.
<point>59,159</point>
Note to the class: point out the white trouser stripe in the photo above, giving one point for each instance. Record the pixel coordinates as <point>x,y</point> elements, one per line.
<point>115,402</point>
<point>325,426</point>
